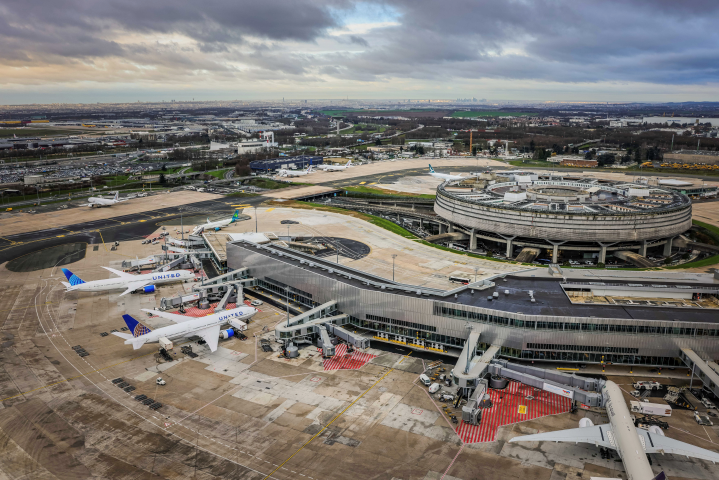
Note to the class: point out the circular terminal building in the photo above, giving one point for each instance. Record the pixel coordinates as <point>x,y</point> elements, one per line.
<point>577,218</point>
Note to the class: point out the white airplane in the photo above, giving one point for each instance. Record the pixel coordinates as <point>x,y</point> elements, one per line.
<point>445,176</point>
<point>292,173</point>
<point>103,202</point>
<point>216,225</point>
<point>335,168</point>
<point>631,443</point>
<point>125,280</point>
<point>207,327</point>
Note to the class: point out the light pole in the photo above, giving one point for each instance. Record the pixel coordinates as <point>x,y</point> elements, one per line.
<point>255,218</point>
<point>288,233</point>
<point>287,298</point>
<point>476,269</point>
<point>182,225</point>
<point>469,332</point>
<point>394,255</point>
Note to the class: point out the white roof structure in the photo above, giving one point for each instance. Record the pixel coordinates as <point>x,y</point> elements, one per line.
<point>672,182</point>
<point>259,238</point>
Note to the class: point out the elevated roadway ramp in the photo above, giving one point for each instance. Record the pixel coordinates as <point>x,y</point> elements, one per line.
<point>467,375</point>
<point>528,255</point>
<point>634,259</point>
<point>447,237</point>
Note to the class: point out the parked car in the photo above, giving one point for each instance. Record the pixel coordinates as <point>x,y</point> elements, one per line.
<point>256,302</point>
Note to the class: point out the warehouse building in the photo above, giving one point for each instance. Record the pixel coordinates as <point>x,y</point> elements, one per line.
<point>272,165</point>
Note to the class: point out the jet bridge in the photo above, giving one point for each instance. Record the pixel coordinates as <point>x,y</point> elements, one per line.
<point>325,343</point>
<point>350,338</point>
<point>191,241</point>
<point>232,295</point>
<point>580,389</point>
<point>704,370</point>
<point>468,368</point>
<point>240,273</point>
<point>184,261</point>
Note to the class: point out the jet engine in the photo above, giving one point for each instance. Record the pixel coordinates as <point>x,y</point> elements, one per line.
<point>656,430</point>
<point>585,422</point>
<point>149,289</point>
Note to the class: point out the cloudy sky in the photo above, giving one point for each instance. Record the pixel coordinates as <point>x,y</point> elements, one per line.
<point>129,50</point>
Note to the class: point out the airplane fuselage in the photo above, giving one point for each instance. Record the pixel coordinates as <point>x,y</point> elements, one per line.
<point>101,202</point>
<point>446,177</point>
<point>122,282</point>
<point>217,224</point>
<point>623,435</point>
<point>187,329</point>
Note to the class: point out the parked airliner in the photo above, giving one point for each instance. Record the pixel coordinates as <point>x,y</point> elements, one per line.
<point>125,280</point>
<point>631,443</point>
<point>103,202</point>
<point>207,327</point>
<point>294,173</point>
<point>335,168</point>
<point>445,176</point>
<point>217,224</point>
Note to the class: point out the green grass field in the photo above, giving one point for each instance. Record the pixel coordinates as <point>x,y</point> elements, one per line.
<point>377,191</point>
<point>218,173</point>
<point>696,264</point>
<point>488,113</point>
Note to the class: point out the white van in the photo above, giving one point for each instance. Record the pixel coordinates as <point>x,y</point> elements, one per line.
<point>425,379</point>
<point>434,388</point>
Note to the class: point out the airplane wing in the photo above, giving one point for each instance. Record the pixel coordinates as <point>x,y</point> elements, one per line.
<point>119,273</point>
<point>656,443</point>
<point>170,316</point>
<point>596,435</point>
<point>132,286</point>
<point>211,335</point>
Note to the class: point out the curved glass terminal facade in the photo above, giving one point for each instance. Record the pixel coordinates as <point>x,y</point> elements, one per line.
<point>551,330</point>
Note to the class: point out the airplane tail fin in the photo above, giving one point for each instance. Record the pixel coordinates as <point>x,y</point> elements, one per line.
<point>235,216</point>
<point>135,327</point>
<point>117,196</point>
<point>72,278</point>
<point>431,170</point>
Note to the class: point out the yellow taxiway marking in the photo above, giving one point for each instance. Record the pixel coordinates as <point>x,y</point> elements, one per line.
<point>336,417</point>
<point>362,183</point>
<point>269,210</point>
<point>373,183</point>
<point>59,236</point>
<point>239,205</point>
<point>142,220</point>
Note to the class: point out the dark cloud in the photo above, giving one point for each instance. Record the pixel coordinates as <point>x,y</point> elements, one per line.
<point>567,41</point>
<point>357,40</point>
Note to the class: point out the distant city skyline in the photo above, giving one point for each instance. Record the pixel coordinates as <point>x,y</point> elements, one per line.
<point>126,50</point>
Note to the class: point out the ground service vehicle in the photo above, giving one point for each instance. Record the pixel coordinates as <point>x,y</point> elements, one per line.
<point>648,385</point>
<point>650,409</point>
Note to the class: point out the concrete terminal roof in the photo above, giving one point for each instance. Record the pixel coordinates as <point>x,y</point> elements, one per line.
<point>550,297</point>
